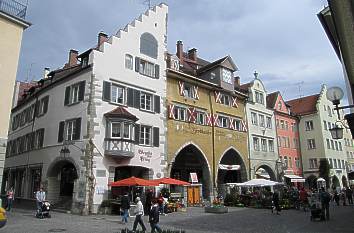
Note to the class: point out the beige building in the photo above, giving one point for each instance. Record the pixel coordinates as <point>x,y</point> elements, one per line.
<point>12,24</point>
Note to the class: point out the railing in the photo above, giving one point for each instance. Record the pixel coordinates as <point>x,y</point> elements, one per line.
<point>119,148</point>
<point>13,8</point>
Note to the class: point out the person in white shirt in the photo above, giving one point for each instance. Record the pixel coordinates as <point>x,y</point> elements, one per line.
<point>40,198</point>
<point>139,213</point>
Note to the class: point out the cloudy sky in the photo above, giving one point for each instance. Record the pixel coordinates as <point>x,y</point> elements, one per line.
<point>282,39</point>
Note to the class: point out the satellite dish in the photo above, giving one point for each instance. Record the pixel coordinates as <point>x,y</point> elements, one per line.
<point>335,94</point>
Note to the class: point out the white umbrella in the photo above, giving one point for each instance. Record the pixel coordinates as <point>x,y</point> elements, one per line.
<point>258,183</point>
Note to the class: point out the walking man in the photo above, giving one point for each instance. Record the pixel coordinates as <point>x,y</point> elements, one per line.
<point>349,193</point>
<point>125,207</point>
<point>139,213</point>
<point>325,198</point>
<point>154,217</point>
<point>40,198</point>
<point>276,202</point>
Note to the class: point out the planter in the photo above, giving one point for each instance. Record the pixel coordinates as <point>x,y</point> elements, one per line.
<point>216,209</point>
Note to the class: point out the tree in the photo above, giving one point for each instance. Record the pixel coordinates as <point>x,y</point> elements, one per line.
<point>323,170</point>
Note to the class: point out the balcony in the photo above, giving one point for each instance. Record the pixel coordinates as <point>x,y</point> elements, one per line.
<point>13,8</point>
<point>119,148</point>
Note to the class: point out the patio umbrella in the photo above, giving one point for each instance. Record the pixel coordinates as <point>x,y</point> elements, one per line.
<point>167,180</point>
<point>258,183</point>
<point>133,181</point>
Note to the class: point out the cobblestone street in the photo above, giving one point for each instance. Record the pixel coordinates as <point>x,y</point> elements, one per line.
<point>193,221</point>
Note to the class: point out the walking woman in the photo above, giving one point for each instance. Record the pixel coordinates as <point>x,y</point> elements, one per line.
<point>10,199</point>
<point>276,202</point>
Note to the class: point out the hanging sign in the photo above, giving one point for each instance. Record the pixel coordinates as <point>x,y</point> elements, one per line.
<point>194,177</point>
<point>229,167</point>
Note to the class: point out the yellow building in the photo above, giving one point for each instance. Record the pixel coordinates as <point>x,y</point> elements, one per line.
<point>12,24</point>
<point>206,130</point>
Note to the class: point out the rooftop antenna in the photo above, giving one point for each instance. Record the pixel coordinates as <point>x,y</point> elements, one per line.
<point>147,3</point>
<point>299,85</point>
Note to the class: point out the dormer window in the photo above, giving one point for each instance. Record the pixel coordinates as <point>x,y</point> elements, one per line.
<point>227,76</point>
<point>259,97</point>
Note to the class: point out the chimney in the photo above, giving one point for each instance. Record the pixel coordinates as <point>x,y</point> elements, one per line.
<point>237,81</point>
<point>102,37</point>
<point>46,72</point>
<point>192,54</point>
<point>180,50</point>
<point>72,57</point>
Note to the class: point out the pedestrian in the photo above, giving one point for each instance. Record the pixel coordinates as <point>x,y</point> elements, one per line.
<point>303,198</point>
<point>149,197</point>
<point>349,193</point>
<point>139,213</point>
<point>40,198</point>
<point>325,198</point>
<point>125,205</point>
<point>336,197</point>
<point>10,198</point>
<point>275,200</point>
<point>343,197</point>
<point>154,217</point>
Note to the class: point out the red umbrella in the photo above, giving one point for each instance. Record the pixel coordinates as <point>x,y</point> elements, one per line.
<point>167,180</point>
<point>133,181</point>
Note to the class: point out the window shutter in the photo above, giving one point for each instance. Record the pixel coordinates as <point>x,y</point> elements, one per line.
<point>137,64</point>
<point>157,71</point>
<point>67,95</point>
<point>81,90</point>
<point>61,131</point>
<point>130,97</point>
<point>41,138</point>
<point>36,110</point>
<point>106,91</point>
<point>137,99</point>
<point>137,134</point>
<point>77,129</point>
<point>157,104</point>
<point>45,102</point>
<point>33,138</point>
<point>156,135</point>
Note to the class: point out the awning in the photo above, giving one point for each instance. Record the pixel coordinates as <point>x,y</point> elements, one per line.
<point>258,183</point>
<point>295,178</point>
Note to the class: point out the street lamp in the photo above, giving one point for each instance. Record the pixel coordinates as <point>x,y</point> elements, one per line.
<point>335,94</point>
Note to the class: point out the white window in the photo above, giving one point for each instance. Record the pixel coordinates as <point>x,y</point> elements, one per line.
<point>282,126</point>
<point>227,76</point>
<point>269,122</point>
<point>128,61</point>
<point>145,101</point>
<point>271,145</point>
<point>74,95</point>
<point>146,68</point>
<point>325,125</point>
<point>200,118</point>
<point>336,144</point>
<point>256,143</point>
<point>116,130</point>
<point>329,111</point>
<point>309,125</point>
<point>225,99</point>
<point>237,124</point>
<point>330,163</point>
<point>180,113</point>
<point>328,144</point>
<point>335,163</point>
<point>126,131</point>
<point>261,120</point>
<point>264,144</point>
<point>311,144</point>
<point>145,135</point>
<point>313,163</point>
<point>70,130</point>
<point>223,122</point>
<point>188,91</point>
<point>118,94</point>
<point>259,97</point>
<point>254,118</point>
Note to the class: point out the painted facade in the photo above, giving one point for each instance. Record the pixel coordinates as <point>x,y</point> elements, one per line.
<point>317,116</point>
<point>11,27</point>
<point>206,122</point>
<point>287,135</point>
<point>263,152</point>
<point>101,118</point>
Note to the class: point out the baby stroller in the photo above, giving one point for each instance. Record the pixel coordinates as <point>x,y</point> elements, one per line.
<point>43,211</point>
<point>315,208</point>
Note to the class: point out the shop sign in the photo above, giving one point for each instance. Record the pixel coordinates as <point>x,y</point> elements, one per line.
<point>145,155</point>
<point>194,177</point>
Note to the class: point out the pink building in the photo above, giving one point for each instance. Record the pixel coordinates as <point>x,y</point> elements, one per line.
<point>288,136</point>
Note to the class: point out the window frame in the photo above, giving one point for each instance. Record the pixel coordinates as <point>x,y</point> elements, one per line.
<point>144,133</point>
<point>129,61</point>
<point>144,101</point>
<point>118,88</point>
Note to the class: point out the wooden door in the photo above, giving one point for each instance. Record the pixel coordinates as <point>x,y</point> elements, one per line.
<point>193,193</point>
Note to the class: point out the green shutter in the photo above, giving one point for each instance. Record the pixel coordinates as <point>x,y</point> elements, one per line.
<point>82,90</point>
<point>61,131</point>
<point>106,91</point>
<point>67,95</point>
<point>156,137</point>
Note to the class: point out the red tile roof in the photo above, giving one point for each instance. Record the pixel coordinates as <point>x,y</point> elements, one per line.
<point>271,99</point>
<point>303,106</point>
<point>245,86</point>
<point>121,112</point>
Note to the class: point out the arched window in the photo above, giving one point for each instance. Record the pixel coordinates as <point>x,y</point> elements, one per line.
<point>148,45</point>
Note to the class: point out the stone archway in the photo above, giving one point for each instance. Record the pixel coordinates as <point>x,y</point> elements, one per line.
<point>61,177</point>
<point>265,172</point>
<point>344,181</point>
<point>231,157</point>
<point>190,159</point>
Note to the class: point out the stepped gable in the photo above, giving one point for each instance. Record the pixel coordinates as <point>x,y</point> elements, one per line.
<point>304,106</point>
<point>271,99</point>
<point>121,112</point>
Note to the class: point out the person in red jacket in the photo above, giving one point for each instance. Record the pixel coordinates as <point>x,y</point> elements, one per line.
<point>304,198</point>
